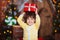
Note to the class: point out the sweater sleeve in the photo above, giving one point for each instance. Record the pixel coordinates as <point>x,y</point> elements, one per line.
<point>20,22</point>
<point>38,21</point>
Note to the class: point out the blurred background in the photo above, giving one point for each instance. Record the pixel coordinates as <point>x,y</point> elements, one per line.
<point>48,10</point>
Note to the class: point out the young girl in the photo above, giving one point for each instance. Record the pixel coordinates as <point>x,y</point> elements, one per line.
<point>30,25</point>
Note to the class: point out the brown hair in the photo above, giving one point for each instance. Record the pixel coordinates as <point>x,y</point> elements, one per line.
<point>29,14</point>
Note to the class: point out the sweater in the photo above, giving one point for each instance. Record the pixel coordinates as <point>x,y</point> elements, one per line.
<point>30,32</point>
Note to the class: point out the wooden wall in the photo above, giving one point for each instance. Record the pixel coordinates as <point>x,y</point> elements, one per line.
<point>46,19</point>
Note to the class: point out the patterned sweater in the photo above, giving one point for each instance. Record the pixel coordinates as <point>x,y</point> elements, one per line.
<point>30,32</point>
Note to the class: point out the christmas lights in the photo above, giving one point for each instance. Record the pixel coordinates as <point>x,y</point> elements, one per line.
<point>56,18</point>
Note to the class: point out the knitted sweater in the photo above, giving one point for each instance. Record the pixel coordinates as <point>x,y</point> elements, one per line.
<point>30,32</point>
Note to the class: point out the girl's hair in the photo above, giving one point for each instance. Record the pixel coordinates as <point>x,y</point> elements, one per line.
<point>29,14</point>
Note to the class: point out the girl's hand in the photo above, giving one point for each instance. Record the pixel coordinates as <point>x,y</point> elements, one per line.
<point>36,11</point>
<point>23,12</point>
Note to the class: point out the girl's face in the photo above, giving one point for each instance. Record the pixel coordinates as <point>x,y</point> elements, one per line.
<point>30,21</point>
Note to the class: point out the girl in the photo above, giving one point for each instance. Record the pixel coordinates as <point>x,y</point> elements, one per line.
<point>30,25</point>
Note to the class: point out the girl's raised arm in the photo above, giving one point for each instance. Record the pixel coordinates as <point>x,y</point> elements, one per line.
<point>20,22</point>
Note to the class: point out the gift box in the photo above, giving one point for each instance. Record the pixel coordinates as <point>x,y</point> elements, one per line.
<point>30,7</point>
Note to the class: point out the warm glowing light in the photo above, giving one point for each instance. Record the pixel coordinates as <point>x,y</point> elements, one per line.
<point>55,30</point>
<point>8,1</point>
<point>4,32</point>
<point>59,25</point>
<point>7,30</point>
<point>16,17</point>
<point>54,1</point>
<point>6,16</point>
<point>58,11</point>
<point>58,3</point>
<point>10,32</point>
<point>15,8</point>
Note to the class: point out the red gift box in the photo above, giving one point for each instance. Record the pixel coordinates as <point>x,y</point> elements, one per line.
<point>30,7</point>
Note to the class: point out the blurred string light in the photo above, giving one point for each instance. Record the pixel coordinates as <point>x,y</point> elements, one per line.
<point>55,30</point>
<point>6,16</point>
<point>59,25</point>
<point>14,8</point>
<point>56,18</point>
<point>7,30</point>
<point>54,1</point>
<point>58,3</point>
<point>10,32</point>
<point>4,32</point>
<point>16,17</point>
<point>8,1</point>
<point>58,11</point>
<point>58,8</point>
